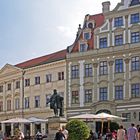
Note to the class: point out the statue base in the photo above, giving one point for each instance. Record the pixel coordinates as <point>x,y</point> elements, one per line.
<point>54,123</point>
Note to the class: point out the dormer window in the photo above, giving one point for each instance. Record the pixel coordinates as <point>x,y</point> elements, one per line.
<point>83,47</point>
<point>86,35</point>
<point>135,18</point>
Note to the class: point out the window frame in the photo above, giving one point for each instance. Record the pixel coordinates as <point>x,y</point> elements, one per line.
<point>118,21</point>
<point>27,82</point>
<point>119,66</point>
<point>88,70</point>
<point>135,18</point>
<point>103,91</point>
<point>103,68</point>
<point>26,102</point>
<point>17,103</point>
<point>83,47</point>
<point>17,84</point>
<point>118,40</point>
<point>75,97</point>
<point>61,75</point>
<point>37,101</point>
<point>88,95</point>
<point>119,92</point>
<point>135,63</point>
<point>75,71</point>
<point>135,90</point>
<point>135,37</point>
<point>103,42</point>
<point>37,80</point>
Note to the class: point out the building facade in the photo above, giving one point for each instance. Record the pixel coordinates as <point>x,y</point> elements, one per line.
<point>99,72</point>
<point>26,88</point>
<point>103,63</point>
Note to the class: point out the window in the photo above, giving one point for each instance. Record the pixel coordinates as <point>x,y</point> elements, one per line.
<point>83,47</point>
<point>60,75</point>
<point>103,94</point>
<point>103,68</point>
<point>135,63</point>
<point>8,105</point>
<point>118,92</point>
<point>47,100</point>
<point>27,82</point>
<point>134,18</point>
<point>118,40</point>
<point>119,65</point>
<point>1,88</point>
<point>127,116</point>
<point>9,87</point>
<point>74,71</point>
<point>26,102</point>
<point>88,70</point>
<point>48,78</point>
<point>1,106</point>
<point>103,43</point>
<point>88,96</point>
<point>75,97</point>
<point>118,21</point>
<point>37,101</point>
<point>17,84</point>
<point>17,103</point>
<point>87,35</point>
<point>135,90</point>
<point>134,2</point>
<point>135,37</point>
<point>37,80</point>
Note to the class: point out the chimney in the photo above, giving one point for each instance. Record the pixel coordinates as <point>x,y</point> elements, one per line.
<point>106,6</point>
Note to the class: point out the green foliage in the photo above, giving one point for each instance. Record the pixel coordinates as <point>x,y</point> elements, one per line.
<point>114,126</point>
<point>78,130</point>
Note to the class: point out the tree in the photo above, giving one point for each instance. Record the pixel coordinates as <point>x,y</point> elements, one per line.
<point>78,130</point>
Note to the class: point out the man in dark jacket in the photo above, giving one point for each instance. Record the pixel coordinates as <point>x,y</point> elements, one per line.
<point>59,135</point>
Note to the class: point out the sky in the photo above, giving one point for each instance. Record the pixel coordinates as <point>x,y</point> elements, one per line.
<point>34,28</point>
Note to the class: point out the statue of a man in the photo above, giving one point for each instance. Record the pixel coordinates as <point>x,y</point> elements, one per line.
<point>56,103</point>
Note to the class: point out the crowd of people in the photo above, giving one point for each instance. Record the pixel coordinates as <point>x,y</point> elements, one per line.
<point>132,133</point>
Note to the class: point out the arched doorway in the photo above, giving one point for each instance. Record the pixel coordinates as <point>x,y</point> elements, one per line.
<point>98,123</point>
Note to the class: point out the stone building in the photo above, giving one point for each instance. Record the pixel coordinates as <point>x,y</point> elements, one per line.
<point>103,63</point>
<point>26,87</point>
<point>99,72</point>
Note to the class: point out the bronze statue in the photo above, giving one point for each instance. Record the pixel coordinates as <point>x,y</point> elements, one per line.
<point>56,103</point>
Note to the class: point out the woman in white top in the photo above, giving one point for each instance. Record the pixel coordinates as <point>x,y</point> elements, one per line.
<point>121,133</point>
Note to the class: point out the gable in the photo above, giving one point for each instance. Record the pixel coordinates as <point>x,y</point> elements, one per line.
<point>9,69</point>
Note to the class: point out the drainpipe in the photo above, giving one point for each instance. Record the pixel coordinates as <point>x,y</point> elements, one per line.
<point>22,113</point>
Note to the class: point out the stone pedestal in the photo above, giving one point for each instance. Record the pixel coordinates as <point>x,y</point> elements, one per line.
<point>54,123</point>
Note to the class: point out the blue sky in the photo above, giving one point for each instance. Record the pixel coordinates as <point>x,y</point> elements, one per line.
<point>33,28</point>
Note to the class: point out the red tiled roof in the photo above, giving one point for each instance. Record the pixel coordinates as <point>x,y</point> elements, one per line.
<point>99,20</point>
<point>43,59</point>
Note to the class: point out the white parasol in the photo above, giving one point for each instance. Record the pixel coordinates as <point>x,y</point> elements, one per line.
<point>17,120</point>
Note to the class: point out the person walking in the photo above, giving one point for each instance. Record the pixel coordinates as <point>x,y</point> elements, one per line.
<point>59,135</point>
<point>121,133</point>
<point>65,132</point>
<point>132,132</point>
